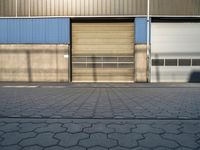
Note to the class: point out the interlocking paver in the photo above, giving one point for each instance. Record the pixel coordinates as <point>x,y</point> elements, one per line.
<point>183,148</point>
<point>13,147</point>
<point>68,139</point>
<point>55,148</point>
<point>97,148</point>
<point>98,139</point>
<point>113,101</point>
<point>162,148</point>
<point>101,101</point>
<point>54,127</point>
<point>98,127</point>
<point>198,134</point>
<point>34,147</point>
<point>154,140</point>
<point>126,140</point>
<point>121,128</point>
<point>75,127</point>
<point>15,137</point>
<point>169,127</point>
<point>190,128</point>
<point>1,132</point>
<point>119,148</point>
<point>27,127</point>
<point>159,140</point>
<point>76,148</point>
<point>11,127</point>
<point>2,124</point>
<point>187,140</point>
<point>43,139</point>
<point>146,128</point>
<point>141,148</point>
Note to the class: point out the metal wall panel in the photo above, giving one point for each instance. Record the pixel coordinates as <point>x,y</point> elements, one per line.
<point>25,32</point>
<point>23,7</point>
<point>74,7</point>
<point>7,8</point>
<point>174,41</point>
<point>3,28</point>
<point>175,7</point>
<point>13,31</point>
<point>54,30</point>
<point>98,7</point>
<point>103,52</point>
<point>140,30</point>
<point>39,35</point>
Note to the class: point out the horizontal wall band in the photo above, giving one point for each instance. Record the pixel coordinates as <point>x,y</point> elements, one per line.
<point>116,16</point>
<point>33,70</point>
<point>34,63</point>
<point>36,30</point>
<point>97,7</point>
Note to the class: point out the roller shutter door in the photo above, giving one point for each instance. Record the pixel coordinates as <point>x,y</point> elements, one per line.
<point>175,52</point>
<point>103,52</point>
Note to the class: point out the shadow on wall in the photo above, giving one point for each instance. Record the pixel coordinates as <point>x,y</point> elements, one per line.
<point>29,69</point>
<point>157,70</point>
<point>194,77</point>
<point>94,68</point>
<point>22,63</point>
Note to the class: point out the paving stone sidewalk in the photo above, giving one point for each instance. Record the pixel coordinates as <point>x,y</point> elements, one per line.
<point>100,117</point>
<point>104,101</point>
<point>66,134</point>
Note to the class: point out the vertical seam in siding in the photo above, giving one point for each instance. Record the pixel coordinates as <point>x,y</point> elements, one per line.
<point>6,31</point>
<point>16,7</point>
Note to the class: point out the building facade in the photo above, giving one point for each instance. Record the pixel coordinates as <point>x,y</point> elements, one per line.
<point>100,40</point>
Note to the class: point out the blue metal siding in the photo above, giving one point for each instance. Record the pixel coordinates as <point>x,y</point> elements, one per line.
<point>41,31</point>
<point>63,28</point>
<point>3,28</point>
<point>26,31</point>
<point>140,30</point>
<point>51,35</point>
<point>13,32</point>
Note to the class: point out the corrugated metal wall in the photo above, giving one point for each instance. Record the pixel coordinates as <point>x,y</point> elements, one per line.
<point>23,7</point>
<point>97,7</point>
<point>140,30</point>
<point>51,30</point>
<point>87,7</point>
<point>7,7</point>
<point>72,7</point>
<point>175,7</point>
<point>103,52</point>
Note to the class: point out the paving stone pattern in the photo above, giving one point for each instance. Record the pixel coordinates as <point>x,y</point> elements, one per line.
<point>100,117</point>
<point>101,102</point>
<point>96,134</point>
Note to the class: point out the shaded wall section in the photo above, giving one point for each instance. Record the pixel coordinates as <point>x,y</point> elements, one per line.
<point>140,63</point>
<point>8,8</point>
<point>175,7</point>
<point>33,63</point>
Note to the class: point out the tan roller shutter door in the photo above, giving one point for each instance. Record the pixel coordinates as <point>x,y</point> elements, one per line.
<point>103,52</point>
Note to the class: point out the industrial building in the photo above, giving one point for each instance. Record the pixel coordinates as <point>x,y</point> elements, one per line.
<point>100,40</point>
